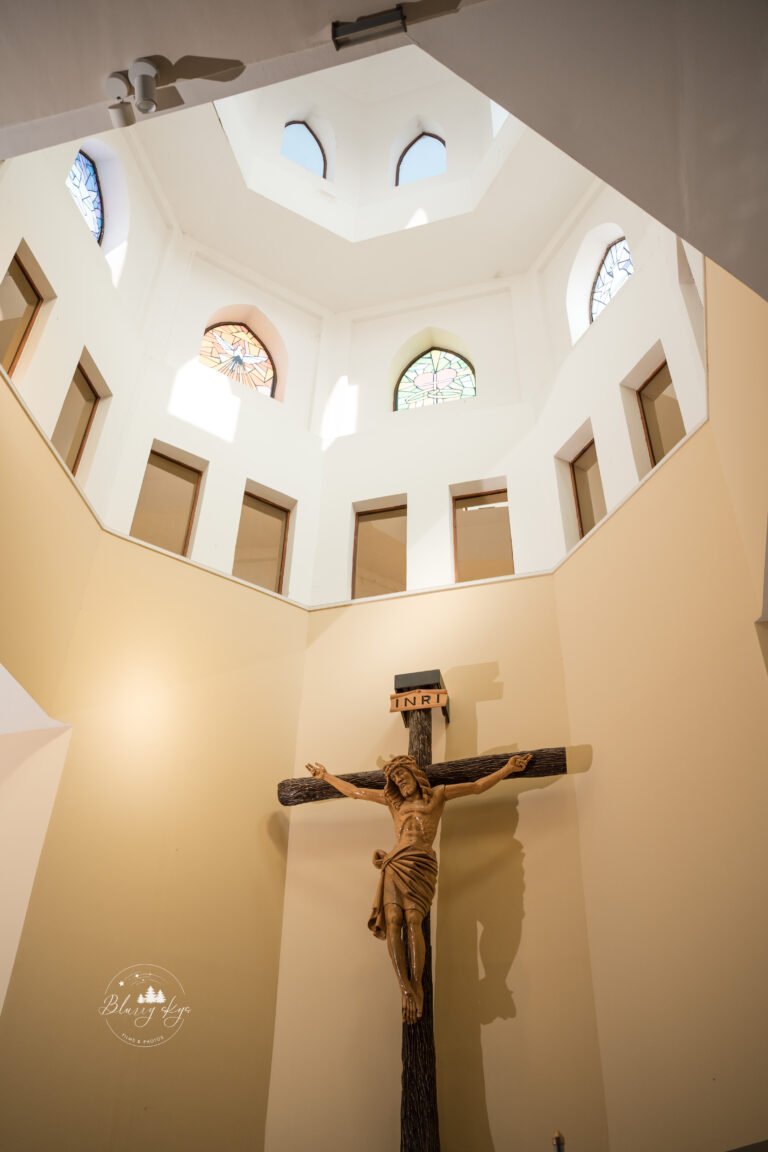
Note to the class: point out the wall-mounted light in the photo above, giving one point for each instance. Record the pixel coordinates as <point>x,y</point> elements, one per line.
<point>143,75</point>
<point>118,88</point>
<point>347,32</point>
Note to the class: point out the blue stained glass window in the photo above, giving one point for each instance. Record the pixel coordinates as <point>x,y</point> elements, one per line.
<point>614,271</point>
<point>424,157</point>
<point>302,146</point>
<point>435,377</point>
<point>83,184</point>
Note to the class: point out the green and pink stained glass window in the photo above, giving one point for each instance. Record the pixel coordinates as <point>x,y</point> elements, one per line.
<point>237,353</point>
<point>436,377</point>
<point>84,187</point>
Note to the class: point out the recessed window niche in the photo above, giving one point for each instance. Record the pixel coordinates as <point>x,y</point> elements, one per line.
<point>165,510</point>
<point>20,303</point>
<point>660,410</point>
<point>481,535</point>
<point>588,489</point>
<point>75,419</point>
<point>379,560</point>
<point>261,543</point>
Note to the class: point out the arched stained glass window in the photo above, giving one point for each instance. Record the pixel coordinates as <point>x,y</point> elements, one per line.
<point>614,271</point>
<point>435,377</point>
<point>236,352</point>
<point>83,184</point>
<point>425,156</point>
<point>301,145</point>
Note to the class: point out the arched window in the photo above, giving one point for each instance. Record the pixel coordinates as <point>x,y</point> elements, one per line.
<point>301,145</point>
<point>423,157</point>
<point>614,271</point>
<point>236,352</point>
<point>84,187</point>
<point>435,377</point>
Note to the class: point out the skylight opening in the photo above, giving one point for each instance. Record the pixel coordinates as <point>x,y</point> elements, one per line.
<point>423,158</point>
<point>301,145</point>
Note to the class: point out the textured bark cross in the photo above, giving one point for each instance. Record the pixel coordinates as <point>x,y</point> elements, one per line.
<point>419,1127</point>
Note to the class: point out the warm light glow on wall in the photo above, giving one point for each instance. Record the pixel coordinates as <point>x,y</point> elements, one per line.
<point>205,399</point>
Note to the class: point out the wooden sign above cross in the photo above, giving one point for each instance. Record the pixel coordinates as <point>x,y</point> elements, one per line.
<point>415,791</point>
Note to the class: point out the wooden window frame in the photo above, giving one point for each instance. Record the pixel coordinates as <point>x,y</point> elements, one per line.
<point>646,433</point>
<point>474,496</point>
<point>371,512</point>
<point>283,550</point>
<point>403,154</point>
<point>572,466</point>
<point>89,425</point>
<point>601,261</point>
<point>193,513</point>
<point>257,338</point>
<point>319,143</point>
<point>40,301</point>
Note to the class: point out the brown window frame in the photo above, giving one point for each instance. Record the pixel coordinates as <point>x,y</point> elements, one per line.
<point>572,464</point>
<point>40,301</point>
<point>646,433</point>
<point>474,496</point>
<point>193,513</point>
<point>319,143</point>
<point>284,549</point>
<point>89,425</point>
<point>370,512</point>
<point>406,150</point>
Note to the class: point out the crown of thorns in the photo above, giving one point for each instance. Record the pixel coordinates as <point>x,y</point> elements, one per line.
<point>411,766</point>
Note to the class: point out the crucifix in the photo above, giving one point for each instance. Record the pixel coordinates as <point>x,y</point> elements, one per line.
<point>415,790</point>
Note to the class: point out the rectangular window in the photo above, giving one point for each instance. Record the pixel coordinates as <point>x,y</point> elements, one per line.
<point>482,539</point>
<point>662,419</point>
<point>379,558</point>
<point>261,540</point>
<point>165,510</point>
<point>588,489</point>
<point>75,419</point>
<point>19,304</point>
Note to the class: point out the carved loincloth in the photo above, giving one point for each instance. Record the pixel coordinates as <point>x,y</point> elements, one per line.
<point>408,879</point>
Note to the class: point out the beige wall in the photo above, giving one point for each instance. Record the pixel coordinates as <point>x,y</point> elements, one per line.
<point>165,846</point>
<point>600,940</point>
<point>666,681</point>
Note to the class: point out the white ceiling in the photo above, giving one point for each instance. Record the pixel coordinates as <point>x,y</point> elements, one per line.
<point>665,100</point>
<point>537,189</point>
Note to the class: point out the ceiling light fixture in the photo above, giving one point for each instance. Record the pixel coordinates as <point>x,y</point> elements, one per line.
<point>118,88</point>
<point>345,33</point>
<point>142,74</point>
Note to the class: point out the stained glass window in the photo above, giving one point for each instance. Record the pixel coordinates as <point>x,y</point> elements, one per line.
<point>83,184</point>
<point>425,156</point>
<point>235,351</point>
<point>614,271</point>
<point>302,146</point>
<point>435,377</point>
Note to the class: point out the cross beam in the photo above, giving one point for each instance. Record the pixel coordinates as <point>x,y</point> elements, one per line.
<point>545,762</point>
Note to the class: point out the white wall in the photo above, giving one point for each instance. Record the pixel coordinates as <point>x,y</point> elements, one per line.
<point>331,439</point>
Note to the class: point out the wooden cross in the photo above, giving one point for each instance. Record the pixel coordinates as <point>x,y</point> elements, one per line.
<point>416,694</point>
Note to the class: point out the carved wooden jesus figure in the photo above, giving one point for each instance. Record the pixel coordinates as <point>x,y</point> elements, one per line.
<point>409,872</point>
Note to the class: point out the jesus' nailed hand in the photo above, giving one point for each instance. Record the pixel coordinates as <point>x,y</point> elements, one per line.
<point>409,872</point>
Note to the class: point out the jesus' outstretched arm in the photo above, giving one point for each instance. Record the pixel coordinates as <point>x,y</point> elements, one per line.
<point>514,764</point>
<point>375,795</point>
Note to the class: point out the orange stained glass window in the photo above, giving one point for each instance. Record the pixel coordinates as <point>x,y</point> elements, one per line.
<point>236,352</point>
